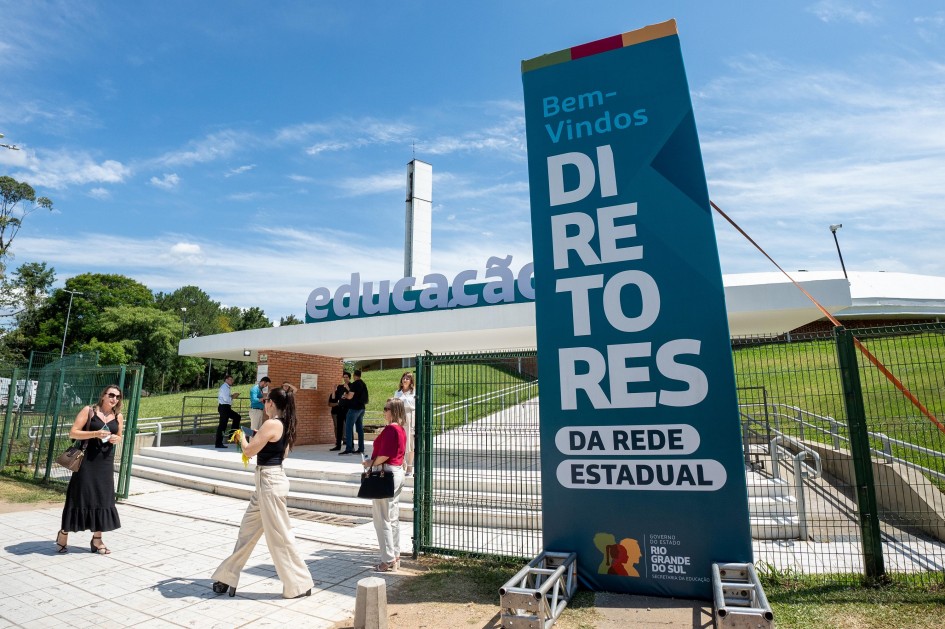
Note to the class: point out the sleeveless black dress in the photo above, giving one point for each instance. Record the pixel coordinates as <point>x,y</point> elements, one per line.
<point>90,498</point>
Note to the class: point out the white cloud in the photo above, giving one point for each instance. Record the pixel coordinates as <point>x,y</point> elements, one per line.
<point>795,149</point>
<point>374,184</point>
<point>300,133</point>
<point>187,253</point>
<point>99,193</point>
<point>301,178</point>
<point>168,182</point>
<point>213,147</point>
<point>240,170</point>
<point>506,138</point>
<point>841,11</point>
<point>29,27</point>
<point>243,196</point>
<point>344,134</point>
<point>64,168</point>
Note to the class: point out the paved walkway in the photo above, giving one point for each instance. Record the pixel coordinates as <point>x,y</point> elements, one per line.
<point>158,574</point>
<point>172,539</point>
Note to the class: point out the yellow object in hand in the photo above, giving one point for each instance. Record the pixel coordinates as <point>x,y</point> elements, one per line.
<point>237,438</point>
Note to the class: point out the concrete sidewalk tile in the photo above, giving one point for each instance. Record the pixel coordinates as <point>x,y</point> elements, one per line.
<point>157,623</point>
<point>105,613</point>
<point>61,597</point>
<point>291,618</point>
<point>20,610</point>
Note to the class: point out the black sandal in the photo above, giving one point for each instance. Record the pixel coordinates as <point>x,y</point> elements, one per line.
<point>62,546</point>
<point>220,587</point>
<point>102,549</point>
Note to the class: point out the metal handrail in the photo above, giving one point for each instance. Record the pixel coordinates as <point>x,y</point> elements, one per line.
<point>442,411</point>
<point>837,439</point>
<point>776,447</point>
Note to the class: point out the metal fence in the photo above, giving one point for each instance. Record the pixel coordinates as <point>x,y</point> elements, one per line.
<point>846,474</point>
<point>478,486</point>
<point>35,429</point>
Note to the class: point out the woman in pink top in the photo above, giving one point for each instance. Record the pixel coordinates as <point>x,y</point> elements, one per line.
<point>388,452</point>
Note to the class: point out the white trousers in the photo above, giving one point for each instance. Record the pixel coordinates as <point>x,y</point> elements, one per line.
<point>267,514</point>
<point>255,418</point>
<point>387,518</point>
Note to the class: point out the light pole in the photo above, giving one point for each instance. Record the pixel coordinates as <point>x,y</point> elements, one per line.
<point>72,293</point>
<point>183,320</point>
<point>833,230</point>
<point>12,147</point>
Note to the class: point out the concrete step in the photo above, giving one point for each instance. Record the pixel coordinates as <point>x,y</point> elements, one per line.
<point>341,505</point>
<point>491,498</point>
<point>345,485</point>
<point>765,506</point>
<point>775,528</point>
<point>762,486</point>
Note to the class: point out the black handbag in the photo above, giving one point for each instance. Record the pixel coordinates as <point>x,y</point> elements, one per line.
<point>376,484</point>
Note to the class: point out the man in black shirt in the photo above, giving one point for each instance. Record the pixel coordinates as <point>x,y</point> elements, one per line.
<point>339,410</point>
<point>357,397</point>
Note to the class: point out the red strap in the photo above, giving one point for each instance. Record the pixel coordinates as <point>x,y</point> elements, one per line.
<point>859,345</point>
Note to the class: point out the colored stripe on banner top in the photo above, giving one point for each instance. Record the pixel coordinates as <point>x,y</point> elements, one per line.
<point>648,33</point>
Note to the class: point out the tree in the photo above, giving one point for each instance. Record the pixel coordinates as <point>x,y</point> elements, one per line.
<point>290,320</point>
<point>14,193</point>
<point>98,292</point>
<point>150,336</point>
<point>236,318</point>
<point>23,295</point>
<point>202,316</point>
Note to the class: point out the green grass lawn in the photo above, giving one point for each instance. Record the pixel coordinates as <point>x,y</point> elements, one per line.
<point>806,375</point>
<point>806,602</point>
<point>452,384</point>
<point>20,487</point>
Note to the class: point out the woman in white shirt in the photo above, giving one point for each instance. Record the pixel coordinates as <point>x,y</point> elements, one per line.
<point>407,394</point>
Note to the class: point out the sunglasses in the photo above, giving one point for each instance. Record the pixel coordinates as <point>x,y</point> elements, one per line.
<point>386,408</point>
<point>113,395</point>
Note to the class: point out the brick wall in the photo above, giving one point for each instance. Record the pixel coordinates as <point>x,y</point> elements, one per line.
<point>315,425</point>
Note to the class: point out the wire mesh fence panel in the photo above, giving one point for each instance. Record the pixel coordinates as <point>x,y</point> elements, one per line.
<point>34,437</point>
<point>803,483</point>
<point>906,424</point>
<point>803,517</point>
<point>478,458</point>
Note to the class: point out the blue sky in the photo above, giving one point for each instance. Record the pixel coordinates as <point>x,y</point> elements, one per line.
<point>258,150</point>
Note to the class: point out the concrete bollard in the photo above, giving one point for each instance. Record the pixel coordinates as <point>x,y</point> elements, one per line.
<point>370,606</point>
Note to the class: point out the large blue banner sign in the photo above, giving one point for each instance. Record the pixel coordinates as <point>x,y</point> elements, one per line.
<point>642,469</point>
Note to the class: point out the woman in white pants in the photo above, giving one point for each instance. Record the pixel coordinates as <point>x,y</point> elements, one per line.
<point>267,511</point>
<point>407,394</point>
<point>388,452</point>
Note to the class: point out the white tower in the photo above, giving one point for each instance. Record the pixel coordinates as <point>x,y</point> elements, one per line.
<point>418,240</point>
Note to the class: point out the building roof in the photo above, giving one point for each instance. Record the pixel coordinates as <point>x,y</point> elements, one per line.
<point>764,305</point>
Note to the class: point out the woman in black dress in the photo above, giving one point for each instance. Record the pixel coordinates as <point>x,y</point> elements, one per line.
<point>90,498</point>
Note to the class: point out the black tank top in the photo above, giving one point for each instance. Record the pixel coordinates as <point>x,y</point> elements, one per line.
<point>273,453</point>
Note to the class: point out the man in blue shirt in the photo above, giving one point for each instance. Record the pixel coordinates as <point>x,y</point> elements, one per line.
<point>256,399</point>
<point>224,407</point>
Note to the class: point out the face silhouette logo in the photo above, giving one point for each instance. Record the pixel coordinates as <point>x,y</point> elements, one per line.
<point>620,558</point>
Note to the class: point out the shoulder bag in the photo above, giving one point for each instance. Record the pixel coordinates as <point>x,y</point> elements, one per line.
<point>72,458</point>
<point>376,483</point>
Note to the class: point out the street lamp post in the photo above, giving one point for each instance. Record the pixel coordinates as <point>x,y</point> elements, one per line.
<point>833,230</point>
<point>183,320</point>
<point>72,293</point>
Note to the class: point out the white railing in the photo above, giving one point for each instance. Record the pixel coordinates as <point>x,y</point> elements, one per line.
<point>804,420</point>
<point>156,425</point>
<point>801,471</point>
<point>522,391</point>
